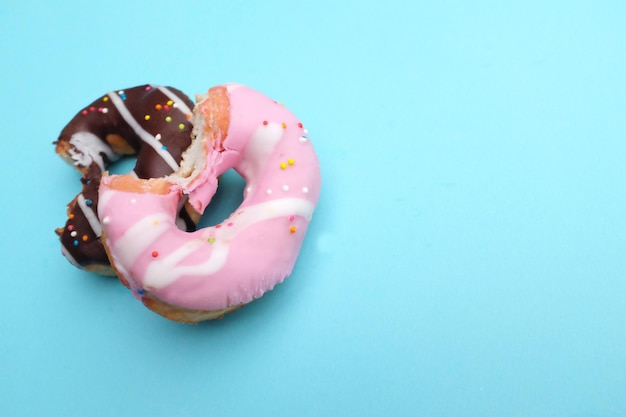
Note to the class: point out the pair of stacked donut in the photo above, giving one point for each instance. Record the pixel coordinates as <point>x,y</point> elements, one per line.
<point>141,226</point>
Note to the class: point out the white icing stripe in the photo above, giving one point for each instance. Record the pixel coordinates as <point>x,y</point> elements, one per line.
<point>88,148</point>
<point>145,136</point>
<point>69,257</point>
<point>165,270</point>
<point>139,236</point>
<point>180,104</point>
<point>90,215</point>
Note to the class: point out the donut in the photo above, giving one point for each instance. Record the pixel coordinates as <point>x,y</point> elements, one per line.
<point>195,276</point>
<point>152,122</point>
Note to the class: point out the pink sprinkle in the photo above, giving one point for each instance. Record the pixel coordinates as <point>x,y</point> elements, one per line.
<point>148,87</point>
<point>291,217</point>
<point>229,224</point>
<point>84,112</point>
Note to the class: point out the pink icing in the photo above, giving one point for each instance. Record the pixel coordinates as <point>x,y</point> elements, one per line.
<point>247,254</point>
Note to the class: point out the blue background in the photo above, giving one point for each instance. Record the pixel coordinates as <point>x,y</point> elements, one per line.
<point>467,256</point>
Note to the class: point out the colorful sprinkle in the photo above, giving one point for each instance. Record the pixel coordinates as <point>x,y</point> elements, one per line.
<point>122,95</point>
<point>188,115</point>
<point>106,220</point>
<point>305,190</point>
<point>285,187</point>
<point>168,119</point>
<point>181,126</point>
<point>292,229</point>
<point>166,107</point>
<point>284,126</point>
<point>155,253</point>
<point>158,107</point>
<point>105,98</point>
<point>164,147</point>
<point>170,102</point>
<point>89,202</point>
<point>158,136</point>
<point>303,138</point>
<point>290,161</point>
<point>230,224</point>
<point>291,217</point>
<point>218,226</point>
<point>73,233</point>
<point>92,108</point>
<point>148,88</point>
<point>268,191</point>
<point>264,122</point>
<point>300,125</point>
<point>140,291</point>
<point>283,165</point>
<point>211,239</point>
<point>71,226</point>
<point>85,237</point>
<point>71,216</point>
<point>146,117</point>
<point>105,110</point>
<point>84,112</point>
<point>76,243</point>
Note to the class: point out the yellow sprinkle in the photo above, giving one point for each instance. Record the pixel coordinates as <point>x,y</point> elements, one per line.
<point>105,98</point>
<point>283,165</point>
<point>147,117</point>
<point>170,102</point>
<point>291,161</point>
<point>155,222</point>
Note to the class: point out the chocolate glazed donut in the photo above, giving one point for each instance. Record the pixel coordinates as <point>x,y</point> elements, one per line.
<point>152,122</point>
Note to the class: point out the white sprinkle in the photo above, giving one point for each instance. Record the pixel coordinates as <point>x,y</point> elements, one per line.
<point>121,92</point>
<point>306,132</point>
<point>106,220</point>
<point>249,189</point>
<point>73,234</point>
<point>133,201</point>
<point>305,190</point>
<point>268,191</point>
<point>285,187</point>
<point>303,139</point>
<point>158,136</point>
<point>105,110</point>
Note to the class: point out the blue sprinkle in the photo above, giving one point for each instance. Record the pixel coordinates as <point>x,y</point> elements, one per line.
<point>76,243</point>
<point>164,147</point>
<point>88,202</point>
<point>141,291</point>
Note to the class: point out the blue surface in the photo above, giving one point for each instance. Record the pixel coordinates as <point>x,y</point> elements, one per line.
<point>467,257</point>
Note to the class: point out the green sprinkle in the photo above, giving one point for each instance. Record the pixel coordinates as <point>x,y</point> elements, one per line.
<point>168,119</point>
<point>211,239</point>
<point>181,126</point>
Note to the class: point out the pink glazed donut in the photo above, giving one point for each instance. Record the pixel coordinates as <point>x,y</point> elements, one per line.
<point>201,275</point>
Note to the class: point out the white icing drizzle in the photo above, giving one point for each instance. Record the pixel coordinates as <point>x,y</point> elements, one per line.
<point>165,270</point>
<point>69,256</point>
<point>145,136</point>
<point>90,215</point>
<point>141,235</point>
<point>179,103</point>
<point>88,148</point>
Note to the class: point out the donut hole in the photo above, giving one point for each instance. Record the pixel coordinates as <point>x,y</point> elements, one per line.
<point>227,198</point>
<point>124,165</point>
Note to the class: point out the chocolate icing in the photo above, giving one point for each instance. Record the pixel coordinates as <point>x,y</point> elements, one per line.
<point>150,121</point>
